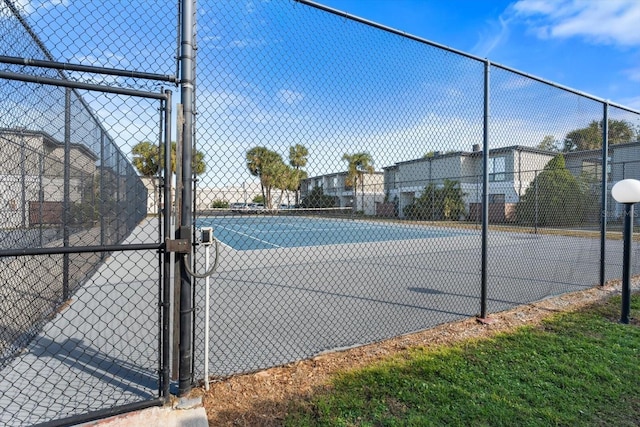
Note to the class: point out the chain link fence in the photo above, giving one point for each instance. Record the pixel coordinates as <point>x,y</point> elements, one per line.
<point>361,184</point>
<point>345,181</point>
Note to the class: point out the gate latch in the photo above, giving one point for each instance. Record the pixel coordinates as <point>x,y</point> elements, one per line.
<point>180,246</point>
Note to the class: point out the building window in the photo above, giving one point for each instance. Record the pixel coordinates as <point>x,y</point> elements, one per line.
<point>497,169</point>
<point>591,169</point>
<point>496,198</point>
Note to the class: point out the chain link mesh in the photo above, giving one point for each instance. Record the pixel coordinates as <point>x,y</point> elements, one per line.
<point>379,233</point>
<point>339,164</point>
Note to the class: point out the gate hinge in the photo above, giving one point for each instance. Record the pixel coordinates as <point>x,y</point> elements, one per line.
<point>180,246</point>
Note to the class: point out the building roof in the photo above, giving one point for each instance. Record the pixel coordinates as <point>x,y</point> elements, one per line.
<point>49,140</point>
<point>338,173</point>
<point>477,153</point>
<point>521,148</point>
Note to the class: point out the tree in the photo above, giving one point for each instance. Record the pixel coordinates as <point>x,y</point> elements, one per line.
<point>283,180</point>
<point>198,166</point>
<point>554,198</point>
<point>220,204</point>
<point>423,207</point>
<point>548,143</point>
<point>317,199</point>
<point>289,181</point>
<point>445,203</point>
<point>297,175</point>
<point>452,200</point>
<point>268,166</point>
<point>590,137</point>
<point>148,159</point>
<point>298,159</point>
<point>359,164</point>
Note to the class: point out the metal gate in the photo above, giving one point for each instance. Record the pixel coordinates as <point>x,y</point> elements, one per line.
<point>84,324</point>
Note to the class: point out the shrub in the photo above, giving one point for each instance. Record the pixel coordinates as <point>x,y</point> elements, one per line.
<point>220,204</point>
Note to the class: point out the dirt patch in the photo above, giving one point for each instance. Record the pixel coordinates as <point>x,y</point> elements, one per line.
<point>263,398</point>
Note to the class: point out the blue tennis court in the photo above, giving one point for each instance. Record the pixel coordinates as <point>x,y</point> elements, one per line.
<point>250,233</point>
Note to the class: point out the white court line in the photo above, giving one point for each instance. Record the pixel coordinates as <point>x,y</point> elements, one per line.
<point>251,237</point>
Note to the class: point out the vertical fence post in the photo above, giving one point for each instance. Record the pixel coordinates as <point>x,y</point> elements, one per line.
<point>166,292</point>
<point>23,189</point>
<point>485,193</point>
<point>626,262</point>
<point>40,196</point>
<point>478,204</point>
<point>626,192</point>
<point>535,202</point>
<point>102,198</point>
<point>118,202</point>
<point>186,86</point>
<point>604,192</point>
<point>66,202</point>
<point>177,220</point>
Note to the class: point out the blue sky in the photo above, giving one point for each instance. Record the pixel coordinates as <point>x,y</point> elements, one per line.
<point>278,73</point>
<point>589,45</point>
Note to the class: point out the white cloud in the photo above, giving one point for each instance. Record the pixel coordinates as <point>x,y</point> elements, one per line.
<point>604,22</point>
<point>632,102</point>
<point>239,43</point>
<point>633,74</point>
<point>494,37</point>
<point>53,3</point>
<point>289,97</point>
<point>27,7</point>
<point>23,6</point>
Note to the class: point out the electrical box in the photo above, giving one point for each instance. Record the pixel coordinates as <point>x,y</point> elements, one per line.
<point>206,236</point>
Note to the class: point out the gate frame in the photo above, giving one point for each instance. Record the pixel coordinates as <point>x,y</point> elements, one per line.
<point>164,256</point>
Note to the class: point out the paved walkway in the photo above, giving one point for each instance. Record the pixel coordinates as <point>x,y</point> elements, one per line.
<point>33,285</point>
<point>99,351</point>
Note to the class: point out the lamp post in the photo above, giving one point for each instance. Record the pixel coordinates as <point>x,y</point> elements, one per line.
<point>626,192</point>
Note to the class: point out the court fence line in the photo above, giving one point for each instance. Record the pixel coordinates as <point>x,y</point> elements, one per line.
<point>287,110</point>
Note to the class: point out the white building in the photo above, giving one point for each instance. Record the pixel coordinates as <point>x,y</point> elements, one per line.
<point>369,192</point>
<point>240,193</point>
<point>511,171</point>
<point>32,177</point>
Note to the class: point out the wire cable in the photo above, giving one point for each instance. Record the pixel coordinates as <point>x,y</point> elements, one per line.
<point>210,271</point>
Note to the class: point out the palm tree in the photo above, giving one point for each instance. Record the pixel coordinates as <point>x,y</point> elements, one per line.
<point>359,164</point>
<point>289,181</point>
<point>268,166</point>
<point>148,159</point>
<point>298,159</point>
<point>198,166</point>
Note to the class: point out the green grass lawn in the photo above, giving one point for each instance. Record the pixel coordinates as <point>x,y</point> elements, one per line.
<point>579,368</point>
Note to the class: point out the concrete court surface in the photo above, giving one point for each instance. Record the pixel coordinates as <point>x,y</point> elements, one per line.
<point>276,306</point>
